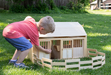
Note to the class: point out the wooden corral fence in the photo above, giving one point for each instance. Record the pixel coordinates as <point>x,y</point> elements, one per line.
<point>5,4</point>
<point>95,61</point>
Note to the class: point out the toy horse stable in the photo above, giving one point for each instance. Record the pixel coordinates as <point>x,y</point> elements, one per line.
<point>68,42</point>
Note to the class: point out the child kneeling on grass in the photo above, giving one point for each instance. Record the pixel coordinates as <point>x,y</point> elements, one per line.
<point>18,33</point>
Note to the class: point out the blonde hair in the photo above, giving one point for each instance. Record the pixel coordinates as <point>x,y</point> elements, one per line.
<point>47,23</point>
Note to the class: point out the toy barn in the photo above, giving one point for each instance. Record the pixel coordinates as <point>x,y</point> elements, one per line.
<point>68,42</point>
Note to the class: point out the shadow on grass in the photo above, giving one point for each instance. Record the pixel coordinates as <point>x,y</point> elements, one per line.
<point>96,26</point>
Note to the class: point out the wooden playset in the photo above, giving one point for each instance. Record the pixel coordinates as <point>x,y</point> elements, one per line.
<point>68,43</point>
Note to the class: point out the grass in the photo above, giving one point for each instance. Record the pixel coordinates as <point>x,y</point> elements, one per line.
<point>97,25</point>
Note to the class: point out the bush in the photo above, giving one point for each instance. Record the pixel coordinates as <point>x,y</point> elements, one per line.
<point>76,8</point>
<point>17,8</point>
<point>3,11</point>
<point>40,8</point>
<point>48,6</point>
<point>85,2</point>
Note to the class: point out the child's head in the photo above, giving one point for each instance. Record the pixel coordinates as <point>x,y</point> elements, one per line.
<point>46,25</point>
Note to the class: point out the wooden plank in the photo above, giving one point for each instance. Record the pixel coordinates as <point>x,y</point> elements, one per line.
<point>78,52</point>
<point>107,3</point>
<point>64,53</point>
<point>61,49</point>
<point>73,38</point>
<point>93,54</point>
<point>49,47</point>
<point>103,62</point>
<point>96,63</point>
<point>72,47</point>
<point>103,58</point>
<point>69,53</point>
<point>44,40</point>
<point>67,38</point>
<point>86,67</point>
<point>105,6</point>
<point>47,65</point>
<point>92,50</point>
<point>101,53</point>
<point>97,67</point>
<point>86,62</point>
<point>58,63</point>
<point>72,60</point>
<point>58,47</point>
<point>84,43</point>
<point>67,48</point>
<point>37,59</point>
<point>59,68</point>
<point>72,66</point>
<point>97,57</point>
<point>48,60</point>
<point>38,62</point>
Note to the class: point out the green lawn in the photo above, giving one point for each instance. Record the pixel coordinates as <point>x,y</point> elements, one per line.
<point>97,25</point>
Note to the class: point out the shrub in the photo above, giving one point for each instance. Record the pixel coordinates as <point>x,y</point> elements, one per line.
<point>47,6</point>
<point>17,8</point>
<point>76,8</point>
<point>41,7</point>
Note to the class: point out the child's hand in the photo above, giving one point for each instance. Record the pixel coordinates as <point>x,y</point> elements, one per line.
<point>48,51</point>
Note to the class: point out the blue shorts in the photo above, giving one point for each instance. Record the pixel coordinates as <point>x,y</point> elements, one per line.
<point>20,43</point>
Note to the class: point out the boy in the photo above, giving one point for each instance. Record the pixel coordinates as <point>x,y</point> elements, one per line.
<point>17,34</point>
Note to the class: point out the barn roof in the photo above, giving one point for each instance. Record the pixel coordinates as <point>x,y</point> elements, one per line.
<point>66,29</point>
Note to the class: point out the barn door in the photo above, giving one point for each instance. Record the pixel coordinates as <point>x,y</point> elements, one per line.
<point>78,48</point>
<point>67,49</point>
<point>45,45</point>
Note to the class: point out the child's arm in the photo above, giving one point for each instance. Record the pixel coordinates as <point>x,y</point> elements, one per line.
<point>44,50</point>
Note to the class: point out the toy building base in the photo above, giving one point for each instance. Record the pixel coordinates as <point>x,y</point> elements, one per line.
<point>95,60</point>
